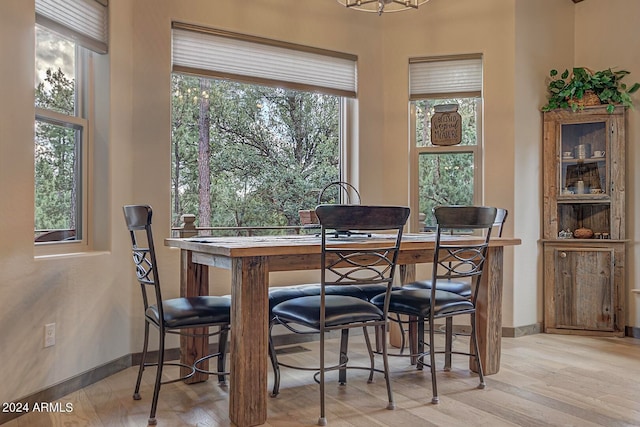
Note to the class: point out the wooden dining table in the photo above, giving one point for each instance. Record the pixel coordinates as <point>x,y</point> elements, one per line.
<point>251,259</point>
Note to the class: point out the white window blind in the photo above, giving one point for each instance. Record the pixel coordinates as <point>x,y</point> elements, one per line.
<point>439,77</point>
<point>83,20</point>
<point>221,54</point>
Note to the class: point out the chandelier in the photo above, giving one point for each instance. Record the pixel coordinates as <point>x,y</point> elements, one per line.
<point>380,6</point>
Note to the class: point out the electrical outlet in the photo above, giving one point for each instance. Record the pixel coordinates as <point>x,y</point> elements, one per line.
<point>49,334</point>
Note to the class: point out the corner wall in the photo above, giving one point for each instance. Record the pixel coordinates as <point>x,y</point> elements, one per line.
<point>543,40</point>
<point>87,295</point>
<point>453,28</point>
<point>606,36</point>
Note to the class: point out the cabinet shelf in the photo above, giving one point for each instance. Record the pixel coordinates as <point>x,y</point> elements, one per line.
<point>589,160</point>
<point>584,242</point>
<point>584,198</point>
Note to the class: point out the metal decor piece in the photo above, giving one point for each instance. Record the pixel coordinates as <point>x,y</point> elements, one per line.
<point>381,6</point>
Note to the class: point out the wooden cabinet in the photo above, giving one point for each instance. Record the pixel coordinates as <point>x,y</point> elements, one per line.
<point>583,292</point>
<point>583,221</point>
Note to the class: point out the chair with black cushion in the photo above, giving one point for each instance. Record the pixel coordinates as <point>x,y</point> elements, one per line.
<point>463,287</point>
<point>360,247</point>
<point>192,316</point>
<point>460,287</point>
<point>452,261</point>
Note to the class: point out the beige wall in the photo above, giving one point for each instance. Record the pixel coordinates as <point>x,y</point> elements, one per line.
<point>92,297</point>
<point>543,40</point>
<point>608,37</point>
<point>454,28</point>
<point>88,296</point>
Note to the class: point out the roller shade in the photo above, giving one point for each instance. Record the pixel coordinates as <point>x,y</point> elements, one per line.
<point>221,54</point>
<point>85,21</point>
<point>438,77</point>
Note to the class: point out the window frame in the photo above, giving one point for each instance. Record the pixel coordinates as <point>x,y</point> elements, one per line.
<point>81,122</point>
<point>415,152</point>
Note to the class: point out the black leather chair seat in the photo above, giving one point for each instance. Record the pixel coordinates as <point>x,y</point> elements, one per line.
<point>339,310</point>
<point>179,312</point>
<point>417,302</point>
<point>284,293</point>
<point>456,286</point>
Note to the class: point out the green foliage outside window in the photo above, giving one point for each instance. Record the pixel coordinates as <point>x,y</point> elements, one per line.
<point>445,176</point>
<point>55,159</point>
<point>264,153</point>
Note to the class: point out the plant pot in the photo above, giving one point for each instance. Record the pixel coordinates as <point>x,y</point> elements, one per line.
<point>589,98</point>
<point>308,217</point>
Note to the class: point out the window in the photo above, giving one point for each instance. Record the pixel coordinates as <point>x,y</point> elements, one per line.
<point>60,142</point>
<point>253,142</point>
<point>66,34</point>
<point>445,171</point>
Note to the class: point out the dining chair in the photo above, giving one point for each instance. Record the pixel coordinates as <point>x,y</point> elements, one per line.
<point>463,287</point>
<point>451,261</point>
<point>460,287</point>
<point>359,247</point>
<point>193,316</point>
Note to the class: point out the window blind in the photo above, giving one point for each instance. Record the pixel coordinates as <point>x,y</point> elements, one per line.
<point>439,77</point>
<point>85,21</point>
<point>221,54</point>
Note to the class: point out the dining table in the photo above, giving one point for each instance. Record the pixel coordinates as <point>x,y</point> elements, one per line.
<point>251,259</point>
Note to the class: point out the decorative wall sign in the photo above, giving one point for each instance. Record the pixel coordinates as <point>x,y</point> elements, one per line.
<point>446,125</point>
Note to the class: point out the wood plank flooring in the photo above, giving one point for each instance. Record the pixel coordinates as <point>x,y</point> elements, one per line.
<point>544,380</point>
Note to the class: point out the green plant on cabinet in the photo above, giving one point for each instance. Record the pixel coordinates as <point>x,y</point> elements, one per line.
<point>584,87</point>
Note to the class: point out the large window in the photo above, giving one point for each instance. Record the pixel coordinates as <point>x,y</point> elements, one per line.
<point>445,171</point>
<point>247,155</point>
<point>256,127</point>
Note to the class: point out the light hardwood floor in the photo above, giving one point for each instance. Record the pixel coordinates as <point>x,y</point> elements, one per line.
<point>544,380</point>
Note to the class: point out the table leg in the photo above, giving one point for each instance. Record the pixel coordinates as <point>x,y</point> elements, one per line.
<point>407,274</point>
<point>249,338</point>
<point>489,313</point>
<point>194,281</point>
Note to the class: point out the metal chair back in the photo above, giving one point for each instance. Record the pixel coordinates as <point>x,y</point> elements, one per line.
<point>138,221</point>
<point>453,260</point>
<point>373,263</point>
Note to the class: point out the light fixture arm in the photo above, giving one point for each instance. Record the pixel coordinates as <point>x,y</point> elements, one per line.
<point>381,6</point>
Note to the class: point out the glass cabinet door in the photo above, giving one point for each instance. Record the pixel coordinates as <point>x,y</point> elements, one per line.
<point>584,167</point>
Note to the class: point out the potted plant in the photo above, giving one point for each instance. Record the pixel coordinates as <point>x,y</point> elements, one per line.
<point>584,87</point>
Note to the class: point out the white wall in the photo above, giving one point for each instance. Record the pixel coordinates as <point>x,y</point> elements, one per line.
<point>92,297</point>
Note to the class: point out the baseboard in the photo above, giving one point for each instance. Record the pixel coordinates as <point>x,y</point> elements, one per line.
<point>537,328</point>
<point>522,331</point>
<point>507,332</point>
<point>632,331</point>
<point>57,391</point>
<point>292,339</point>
